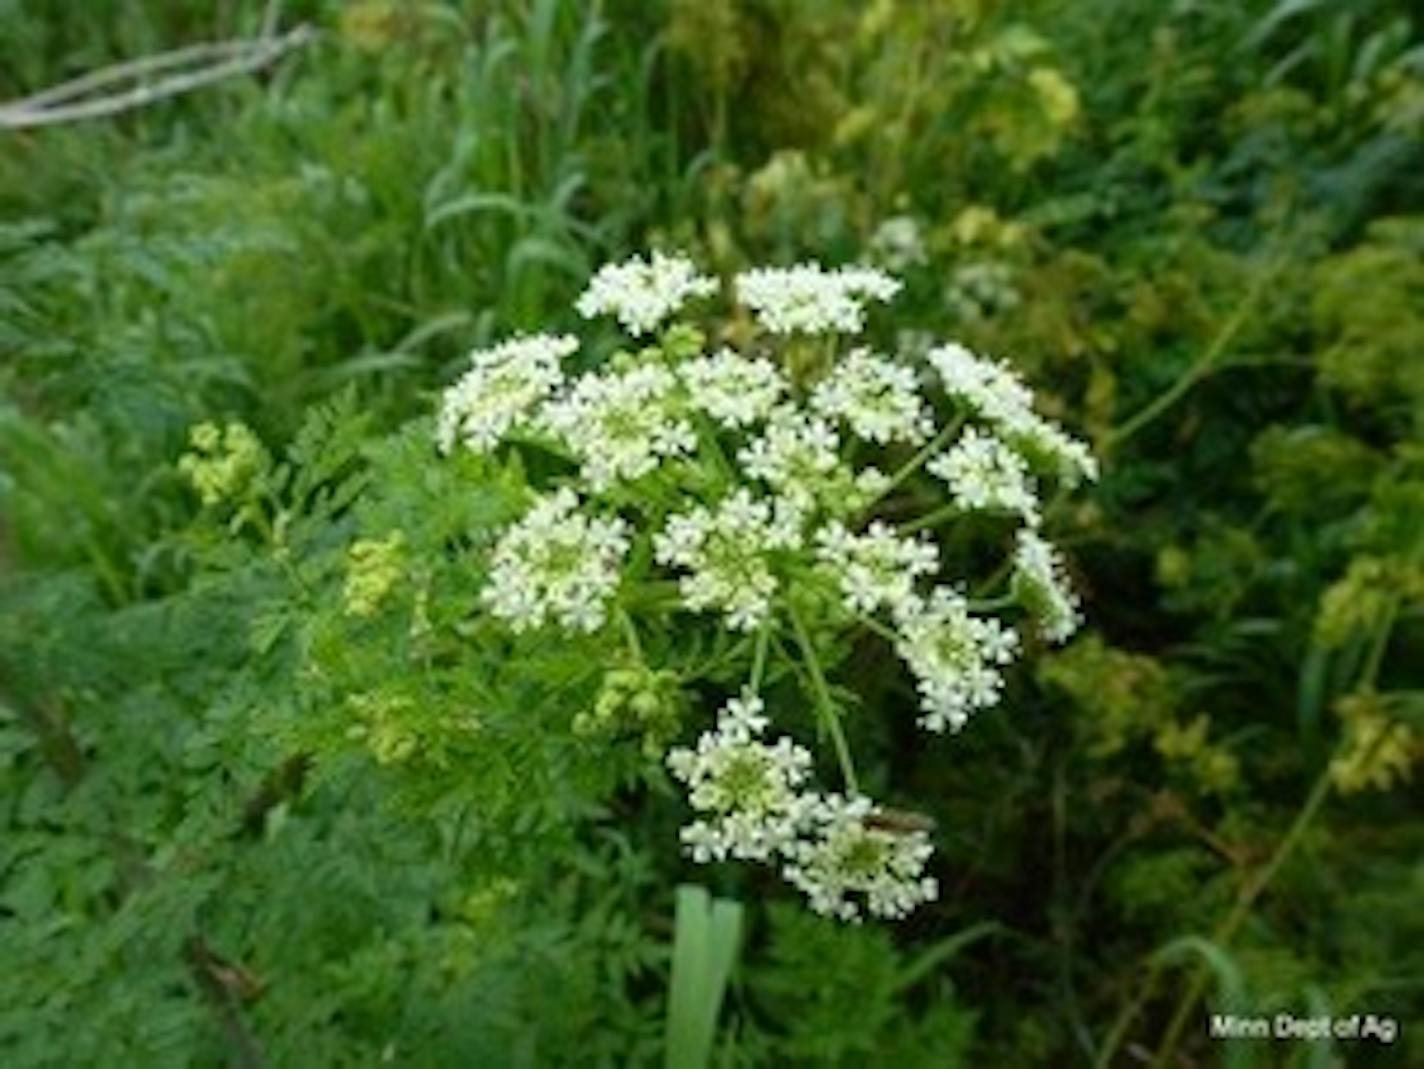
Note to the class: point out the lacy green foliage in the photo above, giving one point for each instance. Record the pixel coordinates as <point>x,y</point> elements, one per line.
<point>800,1014</point>
<point>238,811</point>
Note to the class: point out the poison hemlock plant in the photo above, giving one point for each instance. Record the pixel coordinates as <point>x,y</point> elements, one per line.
<point>784,493</point>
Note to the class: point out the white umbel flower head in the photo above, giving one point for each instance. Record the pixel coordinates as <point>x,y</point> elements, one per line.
<point>745,788</point>
<point>808,299</point>
<point>726,555</point>
<point>556,564</point>
<point>846,862</point>
<point>734,390</point>
<point>878,398</point>
<point>643,293</point>
<point>500,390</point>
<point>621,425</point>
<point>876,569</point>
<point>797,455</point>
<point>984,473</point>
<point>1041,584</point>
<point>955,657</point>
<point>992,390</point>
<point>989,387</point>
<point>1049,446</point>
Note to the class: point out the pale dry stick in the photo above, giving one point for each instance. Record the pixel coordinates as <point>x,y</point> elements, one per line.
<point>128,70</point>
<point>47,108</point>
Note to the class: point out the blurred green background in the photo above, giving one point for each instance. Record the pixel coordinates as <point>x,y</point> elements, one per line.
<point>1197,227</point>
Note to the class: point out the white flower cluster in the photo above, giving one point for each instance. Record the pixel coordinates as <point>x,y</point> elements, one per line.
<point>797,455</point>
<point>808,299</point>
<point>983,473</point>
<point>557,565</point>
<point>846,854</point>
<point>754,484</point>
<point>746,788</point>
<point>879,399</point>
<point>734,390</point>
<point>955,657</point>
<point>998,395</point>
<point>752,806</point>
<point>641,293</point>
<point>500,390</point>
<point>1041,583</point>
<point>726,555</point>
<point>877,569</point>
<point>621,425</point>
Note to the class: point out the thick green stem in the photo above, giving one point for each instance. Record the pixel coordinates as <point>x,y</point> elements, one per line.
<point>931,519</point>
<point>879,628</point>
<point>630,632</point>
<point>763,639</point>
<point>913,465</point>
<point>829,715</point>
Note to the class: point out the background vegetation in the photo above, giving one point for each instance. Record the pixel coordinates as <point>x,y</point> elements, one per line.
<point>240,829</point>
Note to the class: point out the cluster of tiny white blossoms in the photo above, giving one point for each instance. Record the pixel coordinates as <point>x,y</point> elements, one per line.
<point>725,554</point>
<point>1041,583</point>
<point>984,473</point>
<point>499,390</point>
<point>808,299</point>
<point>621,425</point>
<point>747,790</point>
<point>845,853</point>
<point>797,455</point>
<point>753,805</point>
<point>992,390</point>
<point>878,569</point>
<point>556,564</point>
<point>734,390</point>
<point>955,656</point>
<point>878,398</point>
<point>752,482</point>
<point>641,293</point>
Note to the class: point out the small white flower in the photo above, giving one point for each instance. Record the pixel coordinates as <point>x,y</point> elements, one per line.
<point>875,569</point>
<point>809,299</point>
<point>642,293</point>
<point>955,657</point>
<point>1049,446</point>
<point>621,425</point>
<point>877,397</point>
<point>983,473</point>
<point>870,485</point>
<point>797,455</point>
<point>500,389</point>
<point>734,390</point>
<point>1041,584</point>
<point>746,789</point>
<point>989,387</point>
<point>556,564</point>
<point>997,394</point>
<point>845,862</point>
<point>726,554</point>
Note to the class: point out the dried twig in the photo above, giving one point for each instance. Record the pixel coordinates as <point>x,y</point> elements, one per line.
<point>230,59</point>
